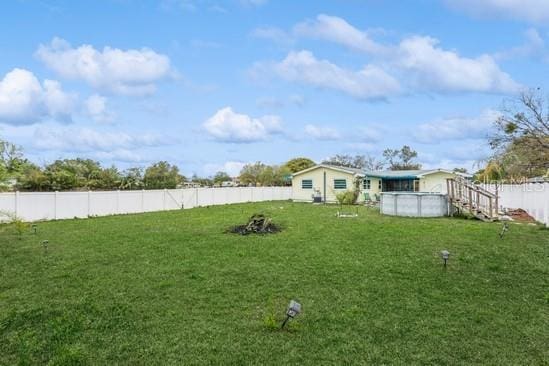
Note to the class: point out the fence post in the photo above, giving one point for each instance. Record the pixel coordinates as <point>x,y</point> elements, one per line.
<point>55,205</point>
<point>142,200</point>
<point>546,215</point>
<point>196,197</point>
<point>164,200</point>
<point>16,203</point>
<point>89,203</point>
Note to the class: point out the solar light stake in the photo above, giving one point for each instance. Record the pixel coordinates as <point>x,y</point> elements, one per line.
<point>504,229</point>
<point>293,309</point>
<point>34,228</point>
<point>445,256</point>
<point>45,245</point>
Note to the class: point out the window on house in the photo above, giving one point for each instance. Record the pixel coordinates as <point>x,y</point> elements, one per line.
<point>340,183</point>
<point>379,185</point>
<point>366,184</point>
<point>306,183</point>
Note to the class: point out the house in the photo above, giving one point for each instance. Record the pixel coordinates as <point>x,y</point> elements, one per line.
<point>327,180</point>
<point>324,180</point>
<point>431,180</point>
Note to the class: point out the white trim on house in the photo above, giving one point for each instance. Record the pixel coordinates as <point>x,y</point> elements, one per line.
<point>327,166</point>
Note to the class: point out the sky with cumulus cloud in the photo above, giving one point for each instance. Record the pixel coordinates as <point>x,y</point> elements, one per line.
<point>211,85</point>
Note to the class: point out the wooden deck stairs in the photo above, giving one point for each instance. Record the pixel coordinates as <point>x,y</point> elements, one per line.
<point>468,197</point>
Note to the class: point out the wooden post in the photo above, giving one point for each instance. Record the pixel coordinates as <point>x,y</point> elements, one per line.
<point>478,201</point>
<point>490,205</point>
<point>470,191</point>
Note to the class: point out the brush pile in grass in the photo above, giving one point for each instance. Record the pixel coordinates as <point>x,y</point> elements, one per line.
<point>257,224</point>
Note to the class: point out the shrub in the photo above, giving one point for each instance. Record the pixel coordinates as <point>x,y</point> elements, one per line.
<point>16,222</point>
<point>349,197</point>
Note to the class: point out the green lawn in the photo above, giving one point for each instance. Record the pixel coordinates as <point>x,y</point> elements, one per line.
<point>173,288</point>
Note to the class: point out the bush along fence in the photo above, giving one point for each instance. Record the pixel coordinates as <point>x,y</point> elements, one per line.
<point>35,206</point>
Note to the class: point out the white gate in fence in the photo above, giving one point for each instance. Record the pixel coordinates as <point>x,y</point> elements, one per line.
<point>531,197</point>
<point>34,206</point>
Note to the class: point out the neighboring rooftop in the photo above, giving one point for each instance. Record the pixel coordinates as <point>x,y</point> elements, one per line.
<point>407,174</point>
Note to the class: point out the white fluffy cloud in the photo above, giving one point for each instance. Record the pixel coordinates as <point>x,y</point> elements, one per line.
<point>419,63</point>
<point>529,10</point>
<point>322,132</point>
<point>96,108</point>
<point>228,126</point>
<point>435,69</point>
<point>460,128</point>
<point>372,82</point>
<point>129,72</point>
<point>23,100</point>
<point>78,139</point>
<point>335,29</point>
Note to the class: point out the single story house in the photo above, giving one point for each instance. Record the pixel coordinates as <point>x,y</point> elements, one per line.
<point>328,180</point>
<point>324,180</point>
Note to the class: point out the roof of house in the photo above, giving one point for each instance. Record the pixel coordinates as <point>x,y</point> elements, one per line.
<point>344,169</point>
<point>408,174</point>
<point>384,174</point>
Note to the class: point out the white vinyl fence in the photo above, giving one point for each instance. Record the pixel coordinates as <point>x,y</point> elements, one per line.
<point>34,206</point>
<point>531,197</point>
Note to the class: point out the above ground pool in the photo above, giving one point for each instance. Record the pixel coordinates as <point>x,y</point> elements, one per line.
<point>415,204</point>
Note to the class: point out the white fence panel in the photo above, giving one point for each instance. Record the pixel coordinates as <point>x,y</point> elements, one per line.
<point>153,201</point>
<point>190,197</point>
<point>7,203</point>
<point>33,206</point>
<point>531,197</point>
<point>36,206</point>
<point>103,203</point>
<point>71,205</point>
<point>130,201</point>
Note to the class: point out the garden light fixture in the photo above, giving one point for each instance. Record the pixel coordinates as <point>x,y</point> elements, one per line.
<point>445,256</point>
<point>293,309</point>
<point>34,228</point>
<point>45,245</point>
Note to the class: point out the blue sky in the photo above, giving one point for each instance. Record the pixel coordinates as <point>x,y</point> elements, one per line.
<point>211,85</point>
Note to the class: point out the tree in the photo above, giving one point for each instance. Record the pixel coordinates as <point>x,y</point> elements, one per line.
<point>344,160</point>
<point>221,177</point>
<point>521,139</point>
<point>250,173</point>
<point>162,175</point>
<point>109,178</point>
<point>460,170</point>
<point>492,172</point>
<point>525,117</point>
<point>372,164</point>
<point>402,159</point>
<point>33,178</point>
<point>132,178</point>
<point>298,164</point>
<point>11,157</point>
